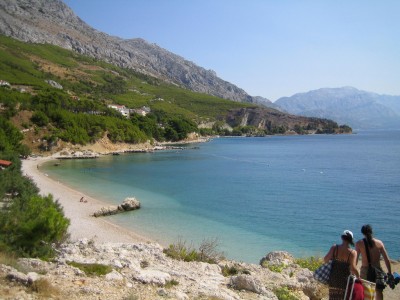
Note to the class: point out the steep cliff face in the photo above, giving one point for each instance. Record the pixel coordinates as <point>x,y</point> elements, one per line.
<point>270,119</point>
<point>53,22</point>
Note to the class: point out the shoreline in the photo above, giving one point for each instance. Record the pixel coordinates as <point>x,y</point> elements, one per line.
<point>82,224</point>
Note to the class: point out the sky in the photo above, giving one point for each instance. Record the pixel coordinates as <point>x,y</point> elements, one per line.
<point>269,48</point>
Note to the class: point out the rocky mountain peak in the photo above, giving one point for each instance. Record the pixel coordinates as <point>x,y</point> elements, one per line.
<point>53,22</point>
<point>348,105</point>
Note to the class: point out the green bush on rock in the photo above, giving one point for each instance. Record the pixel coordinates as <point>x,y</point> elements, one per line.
<point>312,263</point>
<point>283,293</point>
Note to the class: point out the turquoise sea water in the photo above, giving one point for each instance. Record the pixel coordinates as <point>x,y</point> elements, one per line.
<point>255,195</point>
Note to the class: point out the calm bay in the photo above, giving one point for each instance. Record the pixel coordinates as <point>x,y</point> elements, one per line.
<point>255,195</point>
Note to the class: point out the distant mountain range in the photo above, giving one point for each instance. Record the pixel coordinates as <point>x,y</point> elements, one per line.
<point>346,105</point>
<point>53,22</point>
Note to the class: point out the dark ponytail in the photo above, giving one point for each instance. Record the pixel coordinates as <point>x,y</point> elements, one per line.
<point>367,231</point>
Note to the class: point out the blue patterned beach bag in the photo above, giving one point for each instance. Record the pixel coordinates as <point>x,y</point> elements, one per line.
<point>323,273</point>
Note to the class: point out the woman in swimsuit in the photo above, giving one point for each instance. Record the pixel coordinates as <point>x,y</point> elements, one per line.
<point>344,264</point>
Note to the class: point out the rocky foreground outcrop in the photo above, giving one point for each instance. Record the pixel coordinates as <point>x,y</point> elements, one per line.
<point>143,271</point>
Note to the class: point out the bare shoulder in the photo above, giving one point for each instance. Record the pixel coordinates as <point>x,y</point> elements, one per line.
<point>378,243</point>
<point>359,244</point>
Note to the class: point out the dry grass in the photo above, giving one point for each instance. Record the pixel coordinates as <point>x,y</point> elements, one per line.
<point>45,289</point>
<point>9,260</point>
<point>12,290</point>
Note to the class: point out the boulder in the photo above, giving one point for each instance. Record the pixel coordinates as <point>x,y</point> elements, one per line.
<point>106,211</point>
<point>114,276</point>
<point>247,283</point>
<point>277,258</point>
<point>130,204</point>
<point>152,276</point>
<point>16,276</point>
<point>127,205</point>
<point>32,277</point>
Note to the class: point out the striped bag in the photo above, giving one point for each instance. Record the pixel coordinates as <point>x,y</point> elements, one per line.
<point>323,273</point>
<point>369,289</point>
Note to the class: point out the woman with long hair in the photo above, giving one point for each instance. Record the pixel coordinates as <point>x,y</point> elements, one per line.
<point>376,249</point>
<point>344,263</point>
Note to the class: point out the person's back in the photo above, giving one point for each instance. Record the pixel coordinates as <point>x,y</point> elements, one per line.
<point>375,252</point>
<point>376,249</point>
<point>345,263</point>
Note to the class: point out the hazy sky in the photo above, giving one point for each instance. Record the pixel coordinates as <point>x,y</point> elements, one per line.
<point>268,48</point>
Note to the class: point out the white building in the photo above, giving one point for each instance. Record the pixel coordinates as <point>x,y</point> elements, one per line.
<point>4,83</point>
<point>121,108</point>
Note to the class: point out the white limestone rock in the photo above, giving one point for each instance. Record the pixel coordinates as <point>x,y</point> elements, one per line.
<point>278,257</point>
<point>32,277</point>
<point>114,276</point>
<point>247,283</point>
<point>153,276</point>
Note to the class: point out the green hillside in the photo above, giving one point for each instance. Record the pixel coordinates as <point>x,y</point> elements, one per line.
<point>32,64</point>
<point>57,95</point>
<point>78,111</point>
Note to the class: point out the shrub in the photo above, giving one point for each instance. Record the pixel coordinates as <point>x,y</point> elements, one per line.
<point>233,270</point>
<point>207,251</point>
<point>277,268</point>
<point>181,251</point>
<point>312,263</point>
<point>283,293</point>
<point>171,283</point>
<point>9,259</point>
<point>44,288</point>
<point>92,269</point>
<point>40,118</point>
<point>32,224</point>
<point>229,271</point>
<point>144,264</point>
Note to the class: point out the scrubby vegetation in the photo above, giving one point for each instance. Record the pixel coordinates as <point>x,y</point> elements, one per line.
<point>234,270</point>
<point>312,263</point>
<point>29,223</point>
<point>206,252</point>
<point>277,268</point>
<point>92,269</point>
<point>45,289</point>
<point>285,293</point>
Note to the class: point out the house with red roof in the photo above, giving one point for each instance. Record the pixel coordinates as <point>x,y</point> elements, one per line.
<point>5,163</point>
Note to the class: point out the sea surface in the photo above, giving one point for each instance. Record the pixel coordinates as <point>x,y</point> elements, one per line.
<point>254,195</point>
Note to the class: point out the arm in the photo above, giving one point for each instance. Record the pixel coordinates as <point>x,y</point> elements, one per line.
<point>386,259</point>
<point>329,255</point>
<point>358,252</point>
<point>353,264</point>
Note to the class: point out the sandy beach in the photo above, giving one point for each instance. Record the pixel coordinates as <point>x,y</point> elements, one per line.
<point>83,225</point>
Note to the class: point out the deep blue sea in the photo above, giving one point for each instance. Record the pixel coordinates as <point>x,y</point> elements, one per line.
<point>255,195</point>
